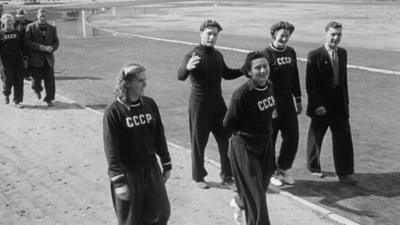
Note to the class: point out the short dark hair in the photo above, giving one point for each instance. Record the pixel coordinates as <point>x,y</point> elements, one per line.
<point>246,68</point>
<point>281,25</point>
<point>210,23</point>
<point>333,24</point>
<point>42,10</point>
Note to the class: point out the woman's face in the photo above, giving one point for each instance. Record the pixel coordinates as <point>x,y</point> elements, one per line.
<point>281,37</point>
<point>8,23</point>
<point>259,72</point>
<point>137,84</point>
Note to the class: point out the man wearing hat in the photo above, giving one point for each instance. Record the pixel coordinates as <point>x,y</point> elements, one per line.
<point>42,41</point>
<point>20,24</point>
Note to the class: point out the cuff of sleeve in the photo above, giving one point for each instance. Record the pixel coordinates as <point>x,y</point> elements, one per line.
<point>298,99</point>
<point>167,166</point>
<point>118,180</point>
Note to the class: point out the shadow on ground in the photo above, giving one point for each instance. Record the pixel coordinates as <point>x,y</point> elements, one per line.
<point>101,107</point>
<point>386,185</point>
<point>57,105</point>
<point>61,78</point>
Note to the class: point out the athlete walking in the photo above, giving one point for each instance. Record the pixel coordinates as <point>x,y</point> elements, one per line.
<point>11,44</point>
<point>285,78</point>
<point>133,135</point>
<point>206,67</point>
<point>249,116</point>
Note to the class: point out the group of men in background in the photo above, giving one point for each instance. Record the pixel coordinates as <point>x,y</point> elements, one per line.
<point>26,50</point>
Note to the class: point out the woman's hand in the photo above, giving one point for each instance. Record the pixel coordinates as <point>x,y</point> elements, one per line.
<point>166,175</point>
<point>123,192</point>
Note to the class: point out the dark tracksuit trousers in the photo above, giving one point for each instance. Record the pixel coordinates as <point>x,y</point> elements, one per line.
<point>288,124</point>
<point>12,76</point>
<point>252,167</point>
<point>206,117</point>
<point>46,74</point>
<point>338,122</point>
<point>149,204</point>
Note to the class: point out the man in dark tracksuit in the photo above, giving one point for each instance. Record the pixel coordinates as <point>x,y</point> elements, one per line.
<point>42,41</point>
<point>249,116</point>
<point>328,105</point>
<point>207,108</point>
<point>133,135</point>
<point>20,24</point>
<point>285,78</point>
<point>11,43</point>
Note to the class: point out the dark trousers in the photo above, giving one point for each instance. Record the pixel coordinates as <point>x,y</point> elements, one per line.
<point>252,167</point>
<point>338,122</point>
<point>206,117</point>
<point>12,76</point>
<point>46,74</point>
<point>148,204</point>
<point>288,124</point>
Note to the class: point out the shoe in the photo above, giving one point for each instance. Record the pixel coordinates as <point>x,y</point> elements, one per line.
<point>318,174</point>
<point>237,213</point>
<point>348,179</point>
<point>18,105</point>
<point>38,95</point>
<point>275,181</point>
<point>284,177</point>
<point>6,100</point>
<point>228,182</point>
<point>49,103</point>
<point>202,185</point>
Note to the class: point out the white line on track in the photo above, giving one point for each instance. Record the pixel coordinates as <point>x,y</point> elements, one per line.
<point>364,68</point>
<point>325,212</point>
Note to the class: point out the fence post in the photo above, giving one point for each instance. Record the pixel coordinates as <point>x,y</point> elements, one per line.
<point>83,23</point>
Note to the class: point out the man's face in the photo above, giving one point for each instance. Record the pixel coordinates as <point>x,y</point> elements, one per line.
<point>42,17</point>
<point>208,37</point>
<point>281,37</point>
<point>333,36</point>
<point>259,72</point>
<point>137,84</point>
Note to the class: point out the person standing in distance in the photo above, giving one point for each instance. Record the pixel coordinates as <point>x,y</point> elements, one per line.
<point>133,135</point>
<point>42,41</point>
<point>328,105</point>
<point>285,78</point>
<point>11,44</point>
<point>206,67</point>
<point>20,24</point>
<point>249,116</point>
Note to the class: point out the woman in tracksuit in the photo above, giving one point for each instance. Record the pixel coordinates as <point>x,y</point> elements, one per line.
<point>133,135</point>
<point>285,78</point>
<point>11,45</point>
<point>249,116</point>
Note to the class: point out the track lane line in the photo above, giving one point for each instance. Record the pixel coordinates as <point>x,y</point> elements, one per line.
<point>115,33</point>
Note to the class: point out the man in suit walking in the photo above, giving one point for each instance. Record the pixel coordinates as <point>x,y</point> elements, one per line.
<point>20,24</point>
<point>42,41</point>
<point>328,105</point>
